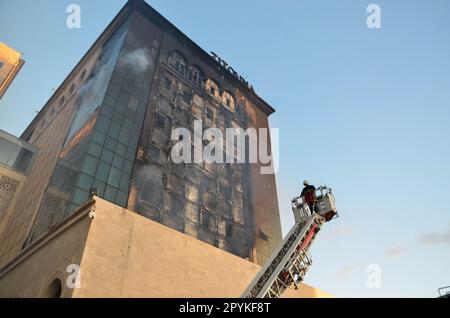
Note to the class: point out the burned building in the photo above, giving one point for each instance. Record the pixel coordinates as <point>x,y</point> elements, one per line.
<point>107,129</point>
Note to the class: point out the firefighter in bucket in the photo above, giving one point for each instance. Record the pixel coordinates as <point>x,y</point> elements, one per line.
<point>309,195</point>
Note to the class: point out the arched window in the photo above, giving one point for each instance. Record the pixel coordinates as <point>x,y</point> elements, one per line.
<point>212,88</point>
<point>177,62</point>
<point>195,75</point>
<point>82,76</point>
<point>62,100</point>
<point>228,100</point>
<point>72,89</point>
<point>54,290</point>
<point>51,114</point>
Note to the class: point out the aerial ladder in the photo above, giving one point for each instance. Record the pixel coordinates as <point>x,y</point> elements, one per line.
<point>290,262</point>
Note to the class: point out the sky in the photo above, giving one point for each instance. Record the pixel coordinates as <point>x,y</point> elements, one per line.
<point>364,111</point>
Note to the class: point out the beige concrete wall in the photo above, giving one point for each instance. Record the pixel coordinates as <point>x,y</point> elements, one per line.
<point>123,254</point>
<point>128,255</point>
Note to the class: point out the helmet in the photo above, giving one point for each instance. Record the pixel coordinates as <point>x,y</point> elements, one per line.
<point>306,183</point>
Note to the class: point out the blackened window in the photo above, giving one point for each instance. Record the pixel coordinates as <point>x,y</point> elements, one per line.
<point>228,100</point>
<point>167,83</point>
<point>195,75</point>
<point>177,62</point>
<point>229,229</point>
<point>205,220</point>
<point>160,121</point>
<point>209,114</point>
<point>187,97</point>
<point>213,88</point>
<point>180,67</point>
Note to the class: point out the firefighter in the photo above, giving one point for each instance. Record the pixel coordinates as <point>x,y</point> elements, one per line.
<point>309,195</point>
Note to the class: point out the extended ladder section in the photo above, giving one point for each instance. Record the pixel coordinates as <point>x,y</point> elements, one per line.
<point>289,263</point>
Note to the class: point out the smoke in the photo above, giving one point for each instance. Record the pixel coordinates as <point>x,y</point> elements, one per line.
<point>138,60</point>
<point>397,250</point>
<point>435,238</point>
<point>349,270</point>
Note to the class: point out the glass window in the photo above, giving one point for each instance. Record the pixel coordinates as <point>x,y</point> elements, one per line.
<point>130,114</point>
<point>121,108</point>
<point>100,186</point>
<point>142,107</point>
<point>127,124</point>
<point>116,79</point>
<point>114,130</point>
<point>114,177</point>
<point>80,196</point>
<point>110,193</point>
<point>128,166</point>
<point>195,75</point>
<point>124,97</point>
<point>107,111</point>
<point>177,62</point>
<point>113,91</point>
<point>124,136</point>
<point>110,102</point>
<point>85,182</point>
<point>125,182</point>
<point>121,149</point>
<point>131,154</point>
<point>118,161</point>
<point>103,124</point>
<point>133,103</point>
<point>110,143</point>
<point>122,198</point>
<point>99,137</point>
<point>102,171</point>
<point>90,165</point>
<point>107,155</point>
<point>118,117</point>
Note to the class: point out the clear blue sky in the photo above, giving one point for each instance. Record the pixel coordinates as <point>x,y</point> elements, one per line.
<point>364,111</point>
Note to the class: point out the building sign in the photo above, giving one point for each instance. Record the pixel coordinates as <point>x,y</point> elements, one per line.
<point>230,70</point>
<point>10,64</point>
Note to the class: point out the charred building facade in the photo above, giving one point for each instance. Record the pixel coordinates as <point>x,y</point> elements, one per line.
<point>108,129</point>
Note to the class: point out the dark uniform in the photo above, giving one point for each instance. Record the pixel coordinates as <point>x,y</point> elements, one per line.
<point>309,193</point>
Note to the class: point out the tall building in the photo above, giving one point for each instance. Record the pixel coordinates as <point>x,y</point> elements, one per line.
<point>10,64</point>
<point>107,129</point>
<point>92,203</point>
